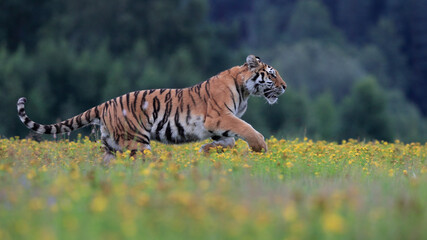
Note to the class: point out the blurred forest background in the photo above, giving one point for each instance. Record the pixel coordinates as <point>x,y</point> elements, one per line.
<point>354,68</point>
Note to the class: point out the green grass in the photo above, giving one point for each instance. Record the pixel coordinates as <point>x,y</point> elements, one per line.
<point>298,190</point>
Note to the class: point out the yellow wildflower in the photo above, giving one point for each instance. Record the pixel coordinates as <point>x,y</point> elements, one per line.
<point>333,223</point>
<point>99,203</point>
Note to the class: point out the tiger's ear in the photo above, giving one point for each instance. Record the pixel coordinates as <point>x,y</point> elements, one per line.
<point>253,62</point>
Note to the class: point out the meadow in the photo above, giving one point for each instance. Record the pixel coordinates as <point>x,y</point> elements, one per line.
<point>299,189</point>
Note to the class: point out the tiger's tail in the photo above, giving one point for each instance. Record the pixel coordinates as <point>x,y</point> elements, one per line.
<point>71,124</point>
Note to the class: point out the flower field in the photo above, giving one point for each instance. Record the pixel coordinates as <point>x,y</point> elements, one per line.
<point>300,189</point>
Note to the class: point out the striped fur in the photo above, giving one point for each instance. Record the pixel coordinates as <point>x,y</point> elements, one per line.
<point>211,109</point>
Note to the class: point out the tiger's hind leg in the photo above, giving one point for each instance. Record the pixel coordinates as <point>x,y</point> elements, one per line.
<point>227,142</point>
<point>135,146</point>
<point>109,152</point>
<point>109,146</point>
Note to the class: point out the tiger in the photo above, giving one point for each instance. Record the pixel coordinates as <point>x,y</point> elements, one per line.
<point>211,109</point>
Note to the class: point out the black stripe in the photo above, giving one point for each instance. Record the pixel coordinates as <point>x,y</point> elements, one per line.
<point>156,108</point>
<point>138,139</point>
<point>67,123</point>
<point>142,105</point>
<point>232,97</point>
<point>187,119</point>
<point>134,101</point>
<point>216,138</point>
<point>87,115</point>
<point>106,145</point>
<point>178,93</point>
<point>131,137</point>
<point>120,125</point>
<point>219,114</point>
<point>26,121</point>
<point>181,131</point>
<point>110,117</point>
<point>216,103</point>
<point>96,112</point>
<point>140,121</point>
<point>239,90</point>
<point>79,120</point>
<point>58,129</point>
<point>128,101</point>
<point>197,89</point>
<point>207,88</point>
<point>146,137</point>
<point>71,123</point>
<point>168,96</point>
<point>121,102</point>
<point>130,124</point>
<point>227,107</point>
<point>192,99</point>
<point>47,129</point>
<point>162,90</point>
<point>225,134</point>
<point>144,95</point>
<point>168,133</point>
<point>255,77</point>
<point>35,127</point>
<point>165,119</point>
<point>106,105</point>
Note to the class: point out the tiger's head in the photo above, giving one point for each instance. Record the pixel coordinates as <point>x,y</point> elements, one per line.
<point>264,81</point>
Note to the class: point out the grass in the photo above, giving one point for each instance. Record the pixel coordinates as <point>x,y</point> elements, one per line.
<point>298,190</point>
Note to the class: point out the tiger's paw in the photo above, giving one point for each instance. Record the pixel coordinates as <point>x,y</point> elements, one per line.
<point>219,145</point>
<point>258,144</point>
<point>206,147</point>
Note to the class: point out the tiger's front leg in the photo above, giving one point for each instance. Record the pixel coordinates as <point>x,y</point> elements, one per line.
<point>237,127</point>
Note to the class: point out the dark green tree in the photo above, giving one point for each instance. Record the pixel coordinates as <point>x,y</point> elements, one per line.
<point>364,112</point>
<point>384,36</point>
<point>311,20</point>
<point>323,118</point>
<point>405,118</point>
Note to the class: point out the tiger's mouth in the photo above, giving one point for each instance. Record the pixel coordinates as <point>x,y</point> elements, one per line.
<point>272,95</point>
<point>272,99</point>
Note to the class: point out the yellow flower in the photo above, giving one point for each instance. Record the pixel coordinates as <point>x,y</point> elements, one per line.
<point>36,204</point>
<point>333,223</point>
<point>290,212</point>
<point>99,203</point>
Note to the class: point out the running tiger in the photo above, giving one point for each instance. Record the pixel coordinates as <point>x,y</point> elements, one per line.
<point>211,109</point>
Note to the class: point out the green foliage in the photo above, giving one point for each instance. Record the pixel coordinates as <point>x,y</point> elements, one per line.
<point>13,69</point>
<point>405,118</point>
<point>316,67</point>
<point>311,20</point>
<point>385,37</point>
<point>364,112</point>
<point>324,119</point>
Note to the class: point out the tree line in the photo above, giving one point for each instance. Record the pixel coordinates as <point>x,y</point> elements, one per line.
<point>350,65</point>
